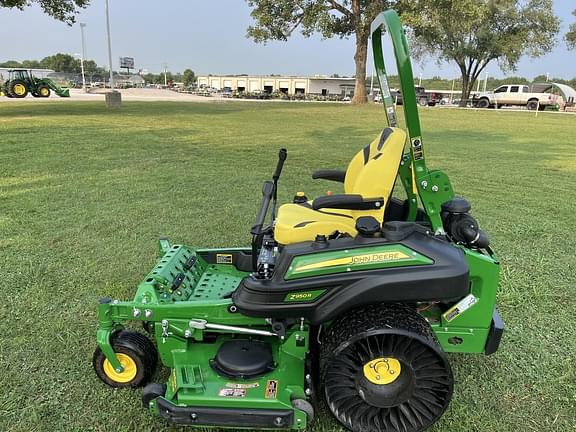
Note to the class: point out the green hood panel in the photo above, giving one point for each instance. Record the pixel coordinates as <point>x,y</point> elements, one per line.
<point>347,260</point>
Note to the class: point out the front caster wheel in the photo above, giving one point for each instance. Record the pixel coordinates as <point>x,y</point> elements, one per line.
<point>307,407</point>
<point>137,355</point>
<point>383,371</point>
<point>151,392</point>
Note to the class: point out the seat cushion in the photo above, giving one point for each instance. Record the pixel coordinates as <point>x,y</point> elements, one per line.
<point>371,174</point>
<point>298,223</point>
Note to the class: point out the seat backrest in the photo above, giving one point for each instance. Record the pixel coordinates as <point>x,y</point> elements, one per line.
<point>372,172</point>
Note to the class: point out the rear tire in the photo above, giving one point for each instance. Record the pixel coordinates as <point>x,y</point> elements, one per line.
<point>423,102</point>
<point>18,89</point>
<point>483,103</point>
<point>383,370</point>
<point>532,105</point>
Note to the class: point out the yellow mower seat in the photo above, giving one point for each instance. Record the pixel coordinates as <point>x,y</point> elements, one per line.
<point>371,174</point>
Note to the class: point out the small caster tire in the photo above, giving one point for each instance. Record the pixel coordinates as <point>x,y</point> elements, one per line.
<point>304,405</point>
<point>136,353</point>
<point>151,392</point>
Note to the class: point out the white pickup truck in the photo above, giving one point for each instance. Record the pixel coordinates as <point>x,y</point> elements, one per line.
<point>515,94</point>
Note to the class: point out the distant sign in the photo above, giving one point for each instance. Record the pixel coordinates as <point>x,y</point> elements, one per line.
<point>127,62</point>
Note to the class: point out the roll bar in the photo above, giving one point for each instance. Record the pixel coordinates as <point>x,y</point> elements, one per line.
<point>433,187</point>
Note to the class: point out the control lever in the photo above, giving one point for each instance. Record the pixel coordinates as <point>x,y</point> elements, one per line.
<point>282,155</point>
<point>267,194</point>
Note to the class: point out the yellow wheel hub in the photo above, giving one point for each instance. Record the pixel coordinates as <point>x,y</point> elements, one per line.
<point>129,372</point>
<point>44,91</point>
<point>19,89</point>
<point>384,370</point>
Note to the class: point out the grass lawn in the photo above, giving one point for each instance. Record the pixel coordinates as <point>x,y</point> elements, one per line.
<point>86,192</point>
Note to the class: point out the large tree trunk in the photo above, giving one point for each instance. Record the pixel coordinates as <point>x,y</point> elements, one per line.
<point>467,84</point>
<point>360,59</point>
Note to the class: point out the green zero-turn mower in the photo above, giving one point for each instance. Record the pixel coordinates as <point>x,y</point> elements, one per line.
<point>22,82</point>
<point>355,297</point>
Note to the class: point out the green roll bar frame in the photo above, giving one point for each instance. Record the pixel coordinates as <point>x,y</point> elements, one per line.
<point>431,186</point>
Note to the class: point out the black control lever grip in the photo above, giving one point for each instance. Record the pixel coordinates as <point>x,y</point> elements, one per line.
<point>282,154</point>
<point>267,192</point>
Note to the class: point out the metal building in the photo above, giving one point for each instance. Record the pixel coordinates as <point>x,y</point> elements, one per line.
<point>285,84</point>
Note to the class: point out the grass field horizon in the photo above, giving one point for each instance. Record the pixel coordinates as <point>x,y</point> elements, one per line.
<point>85,193</point>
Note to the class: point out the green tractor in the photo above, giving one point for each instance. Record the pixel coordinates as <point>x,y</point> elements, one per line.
<point>21,82</point>
<point>355,298</point>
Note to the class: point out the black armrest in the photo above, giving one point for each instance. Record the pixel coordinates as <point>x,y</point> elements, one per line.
<point>347,202</point>
<point>327,174</point>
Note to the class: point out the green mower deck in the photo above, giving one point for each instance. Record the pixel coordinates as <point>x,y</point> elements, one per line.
<point>360,316</point>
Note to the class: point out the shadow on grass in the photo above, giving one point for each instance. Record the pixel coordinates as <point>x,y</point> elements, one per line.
<point>134,108</point>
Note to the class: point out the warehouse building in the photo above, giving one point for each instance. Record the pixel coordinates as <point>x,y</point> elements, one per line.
<point>285,84</point>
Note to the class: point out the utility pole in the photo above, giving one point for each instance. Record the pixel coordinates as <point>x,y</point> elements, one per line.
<point>420,81</point>
<point>165,74</point>
<point>486,82</point>
<point>372,75</point>
<point>109,46</point>
<point>82,25</point>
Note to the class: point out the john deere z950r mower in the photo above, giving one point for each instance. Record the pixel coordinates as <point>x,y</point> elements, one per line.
<point>354,297</point>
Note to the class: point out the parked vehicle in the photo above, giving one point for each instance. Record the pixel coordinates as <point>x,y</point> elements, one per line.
<point>422,97</point>
<point>21,82</point>
<point>515,95</point>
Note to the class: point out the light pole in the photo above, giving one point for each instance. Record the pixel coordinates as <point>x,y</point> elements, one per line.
<point>486,82</point>
<point>372,75</point>
<point>109,46</point>
<point>82,25</point>
<point>165,73</point>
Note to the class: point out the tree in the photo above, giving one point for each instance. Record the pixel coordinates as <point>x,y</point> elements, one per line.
<point>473,33</point>
<point>188,77</point>
<point>278,19</point>
<point>62,10</point>
<point>11,64</point>
<point>571,35</point>
<point>61,63</point>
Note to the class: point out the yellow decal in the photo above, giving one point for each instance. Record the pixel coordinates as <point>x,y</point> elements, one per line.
<point>223,258</point>
<point>271,389</point>
<point>173,380</point>
<point>357,259</point>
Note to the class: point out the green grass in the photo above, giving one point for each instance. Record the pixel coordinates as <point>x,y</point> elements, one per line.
<point>85,193</point>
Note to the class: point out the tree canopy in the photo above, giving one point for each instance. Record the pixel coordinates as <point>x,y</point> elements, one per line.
<point>62,10</point>
<point>188,77</point>
<point>571,35</point>
<point>278,19</point>
<point>57,62</point>
<point>473,33</point>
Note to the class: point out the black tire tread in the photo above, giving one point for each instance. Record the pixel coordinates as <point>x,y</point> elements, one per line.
<point>13,83</point>
<point>137,346</point>
<point>396,323</point>
<point>152,391</point>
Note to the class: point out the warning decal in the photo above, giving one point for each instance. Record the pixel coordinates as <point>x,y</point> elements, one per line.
<point>271,389</point>
<point>223,258</point>
<point>232,392</point>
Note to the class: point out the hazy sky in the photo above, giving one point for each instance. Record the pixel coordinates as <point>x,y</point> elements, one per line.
<point>209,37</point>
